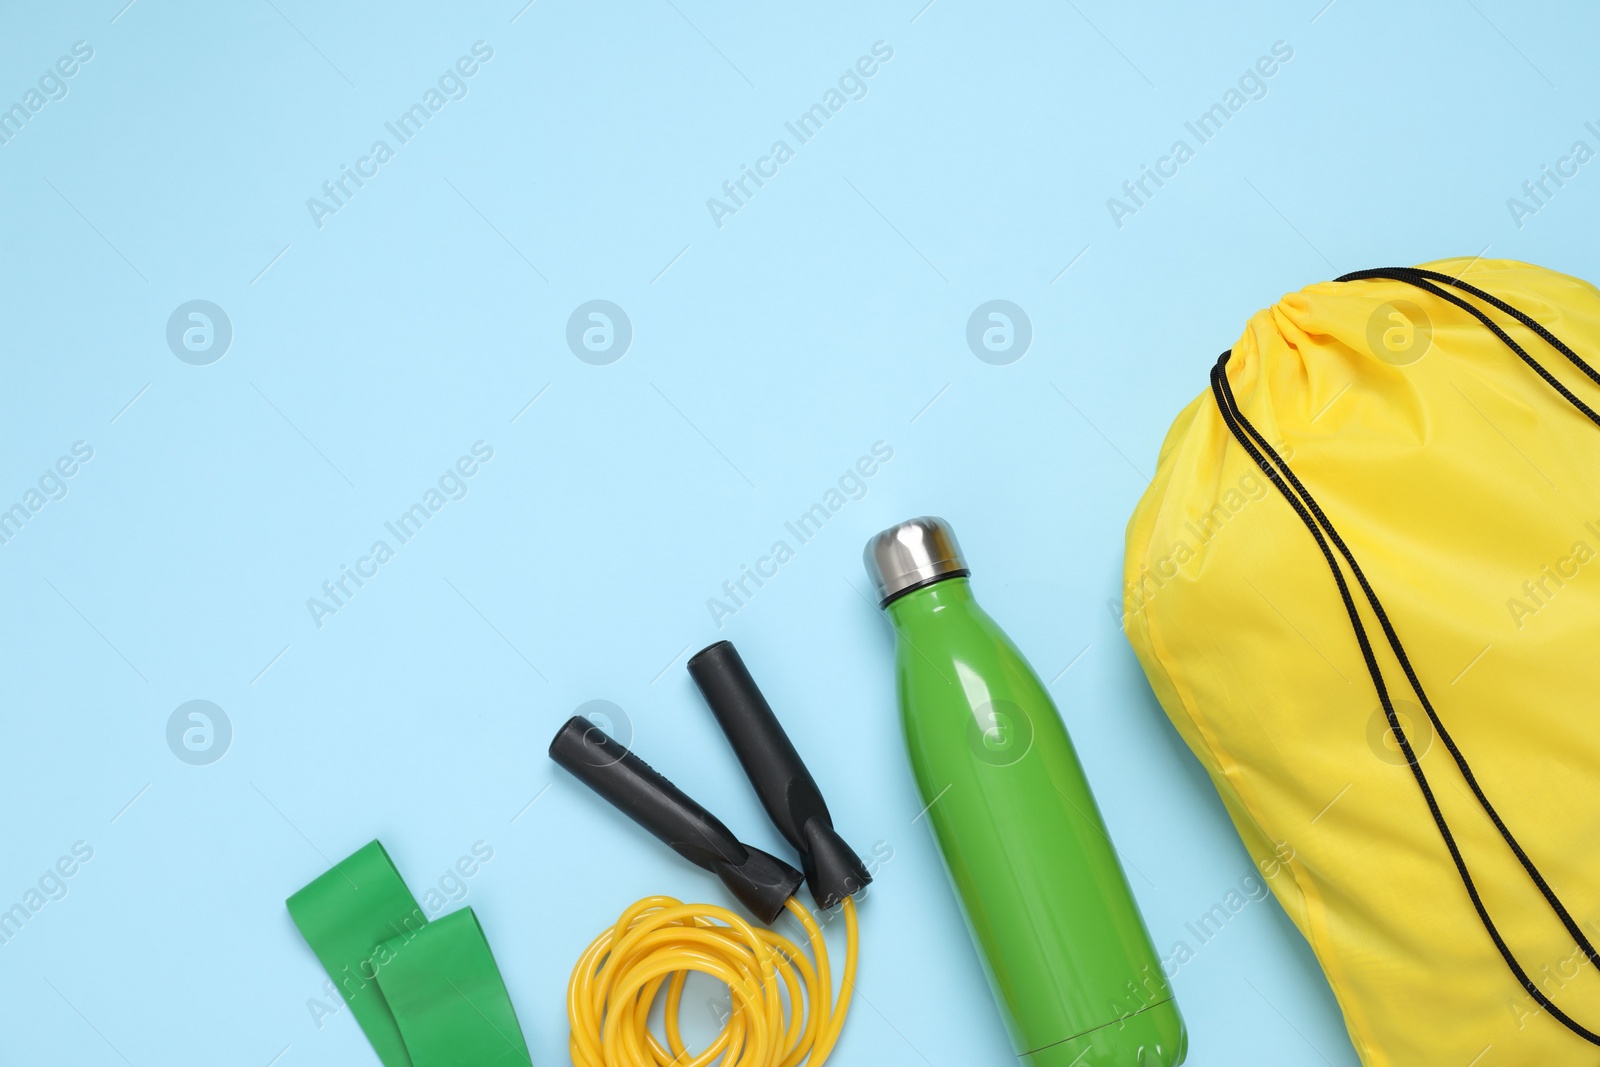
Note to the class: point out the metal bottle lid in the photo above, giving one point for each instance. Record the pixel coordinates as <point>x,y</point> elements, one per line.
<point>913,554</point>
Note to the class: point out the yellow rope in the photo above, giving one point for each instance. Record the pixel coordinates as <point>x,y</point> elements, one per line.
<point>659,941</point>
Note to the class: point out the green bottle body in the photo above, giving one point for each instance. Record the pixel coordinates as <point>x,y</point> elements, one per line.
<point>1045,898</point>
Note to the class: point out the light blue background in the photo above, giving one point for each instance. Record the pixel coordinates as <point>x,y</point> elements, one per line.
<point>829,313</point>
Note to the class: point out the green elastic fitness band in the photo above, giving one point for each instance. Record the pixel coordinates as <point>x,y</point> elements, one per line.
<point>426,994</point>
<point>446,993</point>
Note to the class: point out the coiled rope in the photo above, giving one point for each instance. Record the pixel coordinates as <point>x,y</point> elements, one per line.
<point>783,1006</point>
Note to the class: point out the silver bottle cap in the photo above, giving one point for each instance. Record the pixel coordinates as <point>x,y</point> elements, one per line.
<point>912,554</point>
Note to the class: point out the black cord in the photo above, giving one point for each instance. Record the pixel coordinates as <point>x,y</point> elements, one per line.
<point>1322,530</point>
<point>1422,278</point>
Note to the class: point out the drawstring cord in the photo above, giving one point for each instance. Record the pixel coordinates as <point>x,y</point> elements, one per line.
<point>1322,530</point>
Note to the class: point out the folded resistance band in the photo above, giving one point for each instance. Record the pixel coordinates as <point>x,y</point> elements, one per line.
<point>427,994</point>
<point>1328,540</point>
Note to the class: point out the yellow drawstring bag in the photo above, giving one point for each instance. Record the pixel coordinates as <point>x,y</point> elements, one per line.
<point>1365,586</point>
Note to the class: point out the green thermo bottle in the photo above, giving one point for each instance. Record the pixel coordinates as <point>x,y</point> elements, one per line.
<point>1045,899</point>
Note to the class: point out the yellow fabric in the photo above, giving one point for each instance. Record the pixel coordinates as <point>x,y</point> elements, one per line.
<point>1469,492</point>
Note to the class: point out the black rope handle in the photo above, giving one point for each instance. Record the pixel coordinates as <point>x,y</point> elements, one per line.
<point>1323,531</point>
